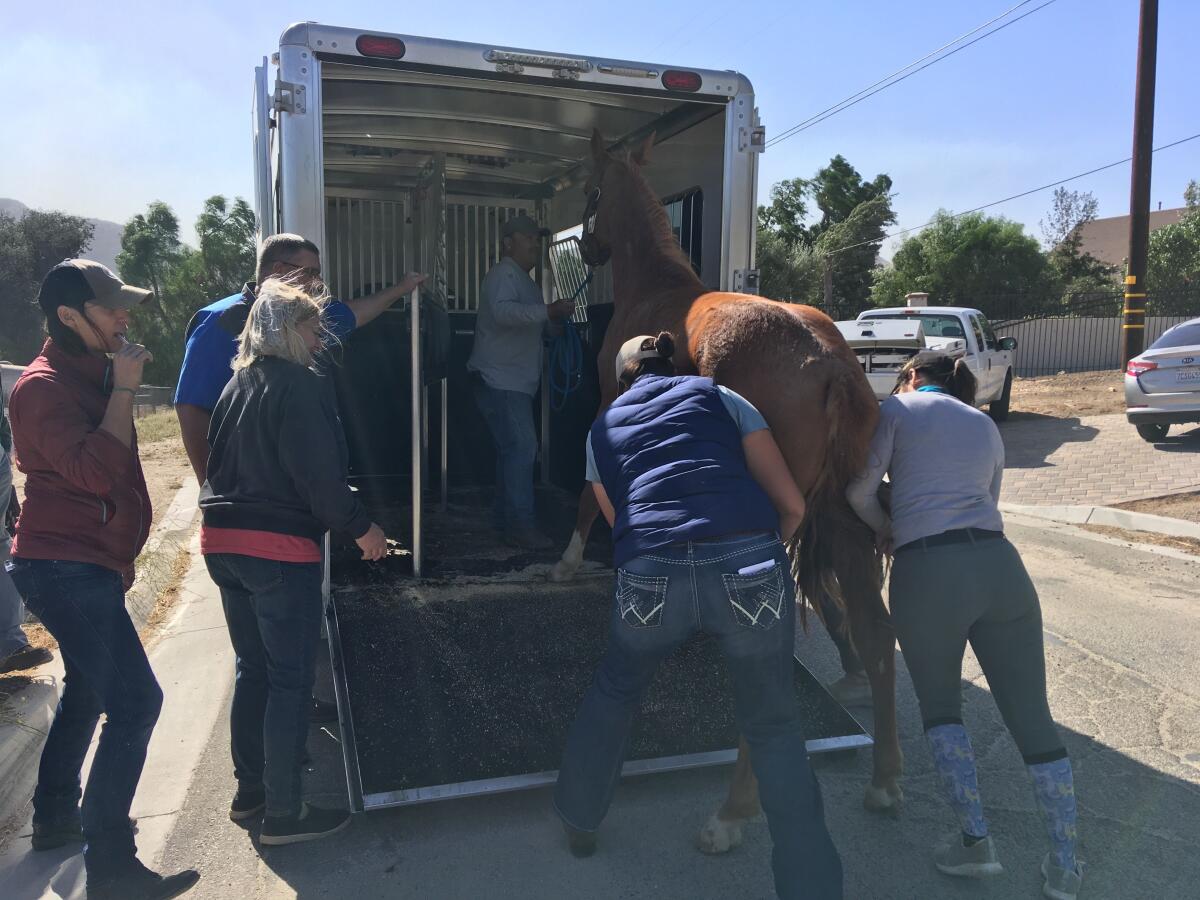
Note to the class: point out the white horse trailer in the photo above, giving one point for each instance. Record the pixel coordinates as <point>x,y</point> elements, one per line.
<point>395,152</point>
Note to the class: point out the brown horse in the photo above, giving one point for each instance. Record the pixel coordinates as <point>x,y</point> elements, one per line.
<point>791,362</point>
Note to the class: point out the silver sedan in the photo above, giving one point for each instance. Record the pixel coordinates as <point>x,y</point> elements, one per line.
<point>1162,385</point>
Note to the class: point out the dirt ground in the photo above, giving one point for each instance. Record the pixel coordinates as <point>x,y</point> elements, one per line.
<point>165,465</point>
<point>1177,506</point>
<point>1070,396</point>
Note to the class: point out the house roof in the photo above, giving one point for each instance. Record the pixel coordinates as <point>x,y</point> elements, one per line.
<point>1108,239</point>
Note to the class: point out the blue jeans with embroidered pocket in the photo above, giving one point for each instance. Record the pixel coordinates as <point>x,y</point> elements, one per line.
<point>640,599</point>
<point>738,590</point>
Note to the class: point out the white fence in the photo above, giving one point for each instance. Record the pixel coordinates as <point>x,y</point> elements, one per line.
<point>1075,344</point>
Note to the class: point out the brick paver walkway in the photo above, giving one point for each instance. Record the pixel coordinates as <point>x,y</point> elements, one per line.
<point>1094,461</point>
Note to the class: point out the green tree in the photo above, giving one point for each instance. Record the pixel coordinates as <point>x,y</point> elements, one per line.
<point>150,248</point>
<point>29,248</point>
<point>790,272</point>
<point>227,244</point>
<point>854,215</point>
<point>1173,260</point>
<point>960,261</point>
<point>183,279</point>
<point>1071,269</point>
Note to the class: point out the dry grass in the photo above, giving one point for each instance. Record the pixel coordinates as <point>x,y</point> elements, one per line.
<point>1070,396</point>
<point>1188,545</point>
<point>1176,506</point>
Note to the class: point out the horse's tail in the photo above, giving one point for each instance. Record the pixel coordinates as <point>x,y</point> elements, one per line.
<point>833,545</point>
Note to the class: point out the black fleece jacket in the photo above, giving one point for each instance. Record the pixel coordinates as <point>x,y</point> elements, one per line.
<point>277,456</point>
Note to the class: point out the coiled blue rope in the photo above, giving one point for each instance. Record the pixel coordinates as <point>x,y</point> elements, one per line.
<point>566,359</point>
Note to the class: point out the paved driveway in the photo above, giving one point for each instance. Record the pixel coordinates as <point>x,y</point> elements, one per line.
<point>1094,461</point>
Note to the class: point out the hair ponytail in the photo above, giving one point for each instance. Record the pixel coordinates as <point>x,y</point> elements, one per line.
<point>953,376</point>
<point>664,346</point>
<point>962,382</point>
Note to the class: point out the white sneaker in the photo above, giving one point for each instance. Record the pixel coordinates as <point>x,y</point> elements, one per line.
<point>852,690</point>
<point>977,861</point>
<point>1060,884</point>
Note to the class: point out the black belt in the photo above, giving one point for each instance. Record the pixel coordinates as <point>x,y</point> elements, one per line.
<point>954,536</point>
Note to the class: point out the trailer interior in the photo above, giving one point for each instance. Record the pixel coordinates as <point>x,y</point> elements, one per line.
<point>464,680</point>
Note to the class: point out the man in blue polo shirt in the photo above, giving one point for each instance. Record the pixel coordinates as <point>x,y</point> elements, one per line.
<point>212,334</point>
<point>212,344</point>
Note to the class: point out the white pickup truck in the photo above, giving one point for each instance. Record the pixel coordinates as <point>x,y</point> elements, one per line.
<point>885,339</point>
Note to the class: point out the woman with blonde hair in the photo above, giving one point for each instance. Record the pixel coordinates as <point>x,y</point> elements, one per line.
<point>276,483</point>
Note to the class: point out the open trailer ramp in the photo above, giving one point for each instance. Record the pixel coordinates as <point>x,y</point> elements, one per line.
<point>466,682</point>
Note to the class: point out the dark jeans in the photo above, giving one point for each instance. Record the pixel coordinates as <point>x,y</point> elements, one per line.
<point>273,610</point>
<point>509,417</point>
<point>83,607</point>
<point>943,598</point>
<point>660,601</point>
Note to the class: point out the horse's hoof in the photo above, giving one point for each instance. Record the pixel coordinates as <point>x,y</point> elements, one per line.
<point>718,836</point>
<point>563,572</point>
<point>883,799</point>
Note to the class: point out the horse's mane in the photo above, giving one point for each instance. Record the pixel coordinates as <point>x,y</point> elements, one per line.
<point>665,246</point>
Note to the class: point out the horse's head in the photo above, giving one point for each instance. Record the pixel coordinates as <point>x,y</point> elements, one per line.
<point>611,179</point>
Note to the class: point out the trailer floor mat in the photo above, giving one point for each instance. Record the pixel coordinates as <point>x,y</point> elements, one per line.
<point>457,683</point>
<point>458,541</point>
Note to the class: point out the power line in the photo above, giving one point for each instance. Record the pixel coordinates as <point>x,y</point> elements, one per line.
<point>1044,187</point>
<point>891,80</point>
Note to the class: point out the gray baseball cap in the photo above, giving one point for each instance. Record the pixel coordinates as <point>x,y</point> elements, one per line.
<point>74,281</point>
<point>523,224</point>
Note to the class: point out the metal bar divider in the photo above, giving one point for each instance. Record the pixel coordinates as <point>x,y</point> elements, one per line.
<point>417,461</point>
<point>445,483</point>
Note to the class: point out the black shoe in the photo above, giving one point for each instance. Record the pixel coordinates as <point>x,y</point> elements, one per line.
<point>311,824</point>
<point>582,843</point>
<point>25,658</point>
<point>139,883</point>
<point>322,713</point>
<point>247,804</point>
<point>52,835</point>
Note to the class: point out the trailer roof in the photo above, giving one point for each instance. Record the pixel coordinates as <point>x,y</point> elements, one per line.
<point>511,123</point>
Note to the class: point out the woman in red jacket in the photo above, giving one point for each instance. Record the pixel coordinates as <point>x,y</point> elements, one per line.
<point>85,518</point>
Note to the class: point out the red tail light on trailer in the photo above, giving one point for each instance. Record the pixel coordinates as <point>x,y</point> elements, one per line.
<point>380,47</point>
<point>1140,367</point>
<point>677,80</point>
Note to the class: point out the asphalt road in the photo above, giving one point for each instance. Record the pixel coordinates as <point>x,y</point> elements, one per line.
<point>1122,643</point>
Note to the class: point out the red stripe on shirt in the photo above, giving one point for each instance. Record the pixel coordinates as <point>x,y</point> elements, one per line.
<point>259,544</point>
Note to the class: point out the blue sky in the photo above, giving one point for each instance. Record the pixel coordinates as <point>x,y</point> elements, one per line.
<point>152,100</point>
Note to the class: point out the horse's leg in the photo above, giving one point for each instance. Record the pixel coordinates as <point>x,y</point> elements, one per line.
<point>723,830</point>
<point>873,637</point>
<point>572,558</point>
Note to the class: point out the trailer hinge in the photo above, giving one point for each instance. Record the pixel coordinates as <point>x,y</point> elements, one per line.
<point>752,139</point>
<point>745,281</point>
<point>290,97</point>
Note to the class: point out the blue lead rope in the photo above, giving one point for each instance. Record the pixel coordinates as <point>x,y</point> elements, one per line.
<point>566,359</point>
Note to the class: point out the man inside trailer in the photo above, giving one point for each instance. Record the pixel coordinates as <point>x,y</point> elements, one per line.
<point>506,368</point>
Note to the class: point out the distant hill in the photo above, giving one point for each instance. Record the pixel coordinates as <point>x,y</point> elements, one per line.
<point>106,239</point>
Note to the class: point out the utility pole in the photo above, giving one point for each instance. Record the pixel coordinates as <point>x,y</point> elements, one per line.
<point>1133,327</point>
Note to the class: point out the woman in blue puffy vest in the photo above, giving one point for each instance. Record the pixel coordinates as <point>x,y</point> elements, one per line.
<point>697,493</point>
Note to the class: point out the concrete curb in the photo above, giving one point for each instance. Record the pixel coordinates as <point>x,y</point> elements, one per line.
<point>1107,515</point>
<point>32,709</point>
<point>33,706</point>
<point>174,529</point>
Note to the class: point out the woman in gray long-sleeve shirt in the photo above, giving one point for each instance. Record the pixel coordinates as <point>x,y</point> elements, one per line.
<point>956,579</point>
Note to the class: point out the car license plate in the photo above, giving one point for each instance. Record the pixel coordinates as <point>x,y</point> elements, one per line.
<point>1189,374</point>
